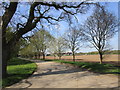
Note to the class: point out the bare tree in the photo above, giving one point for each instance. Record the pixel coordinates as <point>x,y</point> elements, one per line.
<point>99,28</point>
<point>73,38</point>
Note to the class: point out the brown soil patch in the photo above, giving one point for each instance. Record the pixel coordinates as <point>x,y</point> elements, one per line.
<point>113,59</point>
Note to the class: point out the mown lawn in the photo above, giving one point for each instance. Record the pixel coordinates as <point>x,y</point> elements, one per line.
<point>18,69</point>
<point>93,67</point>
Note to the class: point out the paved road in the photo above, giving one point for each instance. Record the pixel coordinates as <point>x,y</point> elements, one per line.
<point>56,75</point>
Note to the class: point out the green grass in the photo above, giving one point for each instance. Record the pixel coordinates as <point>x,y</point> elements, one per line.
<point>17,70</point>
<point>94,67</point>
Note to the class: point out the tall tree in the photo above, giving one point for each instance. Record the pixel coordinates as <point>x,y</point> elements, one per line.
<point>99,28</point>
<point>38,12</point>
<point>73,38</point>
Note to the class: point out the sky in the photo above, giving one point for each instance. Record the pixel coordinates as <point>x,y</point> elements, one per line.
<point>113,7</point>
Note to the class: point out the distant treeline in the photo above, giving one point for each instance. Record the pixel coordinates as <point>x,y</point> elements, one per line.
<point>95,52</point>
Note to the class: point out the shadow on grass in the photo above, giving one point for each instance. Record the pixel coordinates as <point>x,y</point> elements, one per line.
<point>104,68</point>
<point>17,70</point>
<point>13,78</point>
<point>17,61</point>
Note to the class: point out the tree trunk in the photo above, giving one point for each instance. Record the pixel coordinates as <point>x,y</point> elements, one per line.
<point>9,12</point>
<point>74,57</point>
<point>44,56</point>
<point>54,57</point>
<point>101,57</point>
<point>5,58</point>
<point>35,56</point>
<point>5,55</point>
<point>59,57</point>
<point>4,65</point>
<point>39,55</point>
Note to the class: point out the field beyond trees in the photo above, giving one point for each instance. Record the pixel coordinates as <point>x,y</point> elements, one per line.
<point>113,59</point>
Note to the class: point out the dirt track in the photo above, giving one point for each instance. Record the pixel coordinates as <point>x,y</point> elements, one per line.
<point>56,75</point>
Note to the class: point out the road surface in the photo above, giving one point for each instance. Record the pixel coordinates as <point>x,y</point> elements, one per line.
<point>55,75</point>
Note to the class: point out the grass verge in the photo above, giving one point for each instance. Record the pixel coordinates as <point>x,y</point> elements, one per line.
<point>93,67</point>
<point>18,69</point>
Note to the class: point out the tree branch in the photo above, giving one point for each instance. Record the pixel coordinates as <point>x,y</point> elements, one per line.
<point>8,14</point>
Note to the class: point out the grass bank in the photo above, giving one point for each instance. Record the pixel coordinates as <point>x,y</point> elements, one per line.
<point>18,69</point>
<point>93,67</point>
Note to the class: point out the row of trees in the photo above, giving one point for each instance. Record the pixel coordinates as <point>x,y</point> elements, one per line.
<point>97,30</point>
<point>37,44</point>
<point>41,43</point>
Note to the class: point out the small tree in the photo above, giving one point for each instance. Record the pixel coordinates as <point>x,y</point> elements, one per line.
<point>27,51</point>
<point>58,47</point>
<point>73,38</point>
<point>99,28</point>
<point>52,49</point>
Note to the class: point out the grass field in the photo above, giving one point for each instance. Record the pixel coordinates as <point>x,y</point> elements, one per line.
<point>89,58</point>
<point>17,70</point>
<point>93,67</point>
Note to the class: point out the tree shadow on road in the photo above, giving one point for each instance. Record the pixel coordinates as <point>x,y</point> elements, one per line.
<point>73,70</point>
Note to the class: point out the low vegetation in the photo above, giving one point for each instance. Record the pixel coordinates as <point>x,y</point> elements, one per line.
<point>94,67</point>
<point>17,70</point>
